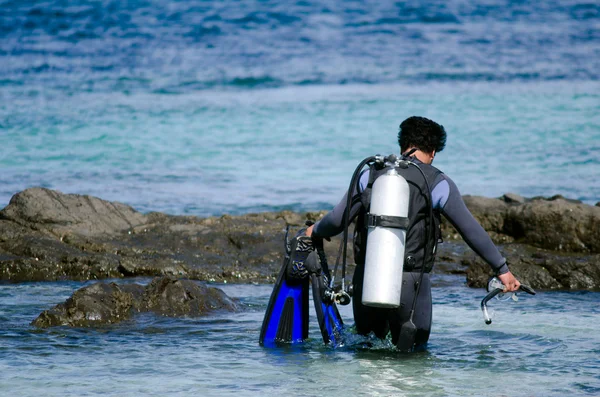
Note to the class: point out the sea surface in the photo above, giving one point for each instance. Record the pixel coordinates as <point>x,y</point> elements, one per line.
<point>547,345</point>
<point>228,107</point>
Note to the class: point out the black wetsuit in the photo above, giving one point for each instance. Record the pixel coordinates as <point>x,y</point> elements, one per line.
<point>447,201</point>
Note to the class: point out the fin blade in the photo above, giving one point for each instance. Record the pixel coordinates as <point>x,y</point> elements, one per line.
<point>286,317</point>
<point>328,316</point>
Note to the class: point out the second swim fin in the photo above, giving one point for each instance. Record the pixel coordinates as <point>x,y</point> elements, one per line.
<point>330,321</point>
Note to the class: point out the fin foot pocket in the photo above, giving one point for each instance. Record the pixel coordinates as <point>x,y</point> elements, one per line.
<point>301,247</point>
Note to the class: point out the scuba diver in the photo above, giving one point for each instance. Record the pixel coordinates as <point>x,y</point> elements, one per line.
<point>429,194</point>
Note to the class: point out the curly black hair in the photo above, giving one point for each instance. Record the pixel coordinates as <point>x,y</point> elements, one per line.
<point>421,133</point>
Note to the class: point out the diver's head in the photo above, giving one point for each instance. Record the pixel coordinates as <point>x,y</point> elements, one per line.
<point>422,134</point>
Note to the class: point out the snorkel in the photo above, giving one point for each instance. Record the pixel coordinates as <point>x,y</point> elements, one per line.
<point>495,288</point>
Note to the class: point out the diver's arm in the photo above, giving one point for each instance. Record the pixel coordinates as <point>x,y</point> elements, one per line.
<point>455,210</point>
<point>333,223</point>
<point>447,198</point>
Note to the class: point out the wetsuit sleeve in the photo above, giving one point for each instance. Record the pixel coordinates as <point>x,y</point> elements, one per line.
<point>455,210</point>
<point>333,223</point>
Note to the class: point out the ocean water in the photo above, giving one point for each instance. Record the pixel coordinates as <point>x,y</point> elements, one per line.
<point>229,107</point>
<point>541,346</point>
<point>210,107</point>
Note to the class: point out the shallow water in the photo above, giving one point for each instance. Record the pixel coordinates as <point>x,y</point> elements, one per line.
<point>545,345</point>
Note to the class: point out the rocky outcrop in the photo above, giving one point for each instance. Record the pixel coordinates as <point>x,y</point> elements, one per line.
<point>63,214</point>
<point>540,269</point>
<point>549,243</point>
<point>555,224</point>
<point>56,240</point>
<point>109,303</point>
<point>47,235</point>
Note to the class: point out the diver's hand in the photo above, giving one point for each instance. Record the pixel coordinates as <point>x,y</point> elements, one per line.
<point>510,282</point>
<point>309,230</point>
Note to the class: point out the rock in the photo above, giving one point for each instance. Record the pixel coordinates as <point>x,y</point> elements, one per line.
<point>490,213</point>
<point>103,304</point>
<point>541,269</point>
<point>47,235</point>
<point>71,213</point>
<point>557,224</point>
<point>513,198</point>
<point>173,297</point>
<point>97,304</point>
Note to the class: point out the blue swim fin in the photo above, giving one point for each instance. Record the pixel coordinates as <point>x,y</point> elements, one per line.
<point>286,318</point>
<point>329,318</point>
<point>330,321</point>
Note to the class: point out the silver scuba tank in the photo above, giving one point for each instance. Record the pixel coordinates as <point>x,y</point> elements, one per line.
<point>385,245</point>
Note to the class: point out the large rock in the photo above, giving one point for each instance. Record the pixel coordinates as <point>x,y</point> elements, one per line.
<point>103,304</point>
<point>558,224</point>
<point>71,213</point>
<point>47,235</point>
<point>490,213</point>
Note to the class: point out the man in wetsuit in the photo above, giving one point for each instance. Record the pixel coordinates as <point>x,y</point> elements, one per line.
<point>421,139</point>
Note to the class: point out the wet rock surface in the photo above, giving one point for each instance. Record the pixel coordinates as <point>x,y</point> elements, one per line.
<point>103,304</point>
<point>46,235</point>
<point>174,297</point>
<point>98,304</point>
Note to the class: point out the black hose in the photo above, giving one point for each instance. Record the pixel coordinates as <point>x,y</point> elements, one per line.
<point>354,181</point>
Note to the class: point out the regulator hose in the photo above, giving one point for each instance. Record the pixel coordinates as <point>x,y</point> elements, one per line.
<point>354,181</point>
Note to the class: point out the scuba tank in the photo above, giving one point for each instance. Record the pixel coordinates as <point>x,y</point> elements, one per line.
<point>386,241</point>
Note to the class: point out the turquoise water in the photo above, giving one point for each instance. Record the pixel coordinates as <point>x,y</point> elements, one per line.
<point>541,346</point>
<point>209,107</point>
<point>266,149</point>
<point>227,107</point>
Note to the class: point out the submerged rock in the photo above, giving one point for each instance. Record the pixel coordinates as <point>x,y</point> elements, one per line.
<point>97,304</point>
<point>110,303</point>
<point>172,297</point>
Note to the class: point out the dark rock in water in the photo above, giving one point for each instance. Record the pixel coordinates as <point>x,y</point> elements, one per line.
<point>104,304</point>
<point>94,305</point>
<point>491,213</point>
<point>172,297</point>
<point>47,235</point>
